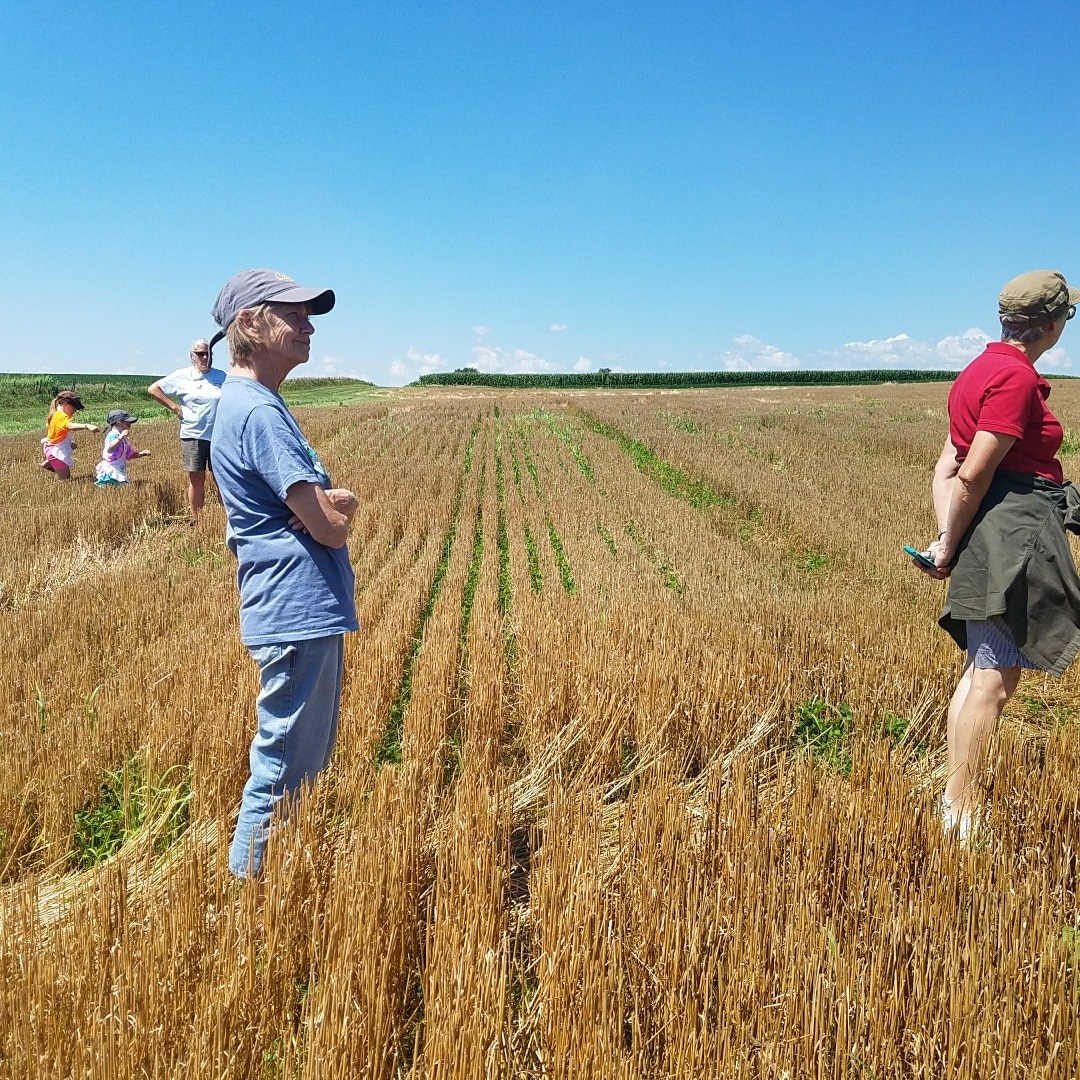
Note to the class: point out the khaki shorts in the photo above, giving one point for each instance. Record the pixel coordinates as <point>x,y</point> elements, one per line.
<point>195,454</point>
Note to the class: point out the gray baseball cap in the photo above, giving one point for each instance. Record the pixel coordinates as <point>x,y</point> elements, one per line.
<point>252,287</point>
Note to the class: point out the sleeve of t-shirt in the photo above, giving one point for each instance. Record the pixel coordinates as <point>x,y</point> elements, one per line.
<point>1007,403</point>
<point>58,424</point>
<point>273,449</point>
<point>169,384</point>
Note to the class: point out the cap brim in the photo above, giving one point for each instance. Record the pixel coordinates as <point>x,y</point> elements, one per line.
<point>319,300</point>
<point>1074,295</point>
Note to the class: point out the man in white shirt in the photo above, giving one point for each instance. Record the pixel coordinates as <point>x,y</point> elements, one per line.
<point>192,393</point>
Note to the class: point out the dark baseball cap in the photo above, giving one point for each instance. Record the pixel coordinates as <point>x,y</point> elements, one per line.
<point>71,398</point>
<point>252,287</point>
<point>1034,297</point>
<point>120,416</point>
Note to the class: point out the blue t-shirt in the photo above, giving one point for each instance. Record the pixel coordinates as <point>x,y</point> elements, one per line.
<point>291,586</point>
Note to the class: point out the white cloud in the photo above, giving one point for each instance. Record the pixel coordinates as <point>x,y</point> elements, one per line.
<point>492,358</point>
<point>583,364</point>
<point>416,362</point>
<point>903,351</point>
<point>557,327</point>
<point>329,367</point>
<point>481,331</point>
<point>960,348</point>
<point>750,354</point>
<point>1056,358</point>
<point>423,362</point>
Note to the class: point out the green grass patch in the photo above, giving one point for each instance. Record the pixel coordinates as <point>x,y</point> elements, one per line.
<point>748,529</point>
<point>25,399</point>
<point>129,799</point>
<point>822,731</point>
<point>1070,444</point>
<point>808,562</point>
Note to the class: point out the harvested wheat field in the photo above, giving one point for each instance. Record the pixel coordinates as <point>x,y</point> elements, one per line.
<point>640,748</point>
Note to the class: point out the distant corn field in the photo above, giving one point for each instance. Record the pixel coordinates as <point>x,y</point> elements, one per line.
<point>640,747</point>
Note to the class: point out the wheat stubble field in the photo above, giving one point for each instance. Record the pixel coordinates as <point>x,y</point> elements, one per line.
<point>640,748</point>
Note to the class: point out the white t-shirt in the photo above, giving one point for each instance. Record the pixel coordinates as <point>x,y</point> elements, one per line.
<point>198,394</point>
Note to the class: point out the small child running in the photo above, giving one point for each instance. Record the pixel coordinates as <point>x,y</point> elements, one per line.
<point>117,451</point>
<point>57,448</point>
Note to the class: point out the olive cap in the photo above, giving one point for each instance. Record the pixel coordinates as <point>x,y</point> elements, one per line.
<point>1035,297</point>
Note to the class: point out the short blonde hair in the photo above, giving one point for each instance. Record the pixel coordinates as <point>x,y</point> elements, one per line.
<point>243,344</point>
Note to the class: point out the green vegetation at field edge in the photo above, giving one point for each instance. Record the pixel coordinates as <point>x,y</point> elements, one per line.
<point>24,399</point>
<point>670,380</point>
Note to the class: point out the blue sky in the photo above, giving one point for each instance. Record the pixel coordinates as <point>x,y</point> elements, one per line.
<point>535,186</point>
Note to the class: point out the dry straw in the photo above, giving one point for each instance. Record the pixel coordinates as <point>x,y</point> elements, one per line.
<point>615,845</point>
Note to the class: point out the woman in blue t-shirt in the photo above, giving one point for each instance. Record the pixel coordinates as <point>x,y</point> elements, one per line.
<point>287,527</point>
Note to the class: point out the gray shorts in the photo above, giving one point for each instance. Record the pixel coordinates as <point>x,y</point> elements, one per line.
<point>991,645</point>
<point>195,454</point>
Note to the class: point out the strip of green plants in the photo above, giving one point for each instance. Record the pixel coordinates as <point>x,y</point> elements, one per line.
<point>502,541</point>
<point>571,438</point>
<point>388,751</point>
<point>560,558</point>
<point>529,463</point>
<point>669,572</point>
<point>608,539</point>
<point>536,577</point>
<point>514,464</point>
<point>682,379</point>
<point>472,577</point>
<point>674,481</point>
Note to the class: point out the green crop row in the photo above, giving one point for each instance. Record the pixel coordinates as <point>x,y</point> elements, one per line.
<point>681,379</point>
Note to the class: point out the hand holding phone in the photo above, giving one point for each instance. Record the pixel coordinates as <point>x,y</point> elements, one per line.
<point>921,557</point>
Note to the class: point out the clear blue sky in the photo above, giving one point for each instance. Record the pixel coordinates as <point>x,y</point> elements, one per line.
<point>535,186</point>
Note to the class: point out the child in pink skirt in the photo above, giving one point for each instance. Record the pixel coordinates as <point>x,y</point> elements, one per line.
<point>117,451</point>
<point>57,447</point>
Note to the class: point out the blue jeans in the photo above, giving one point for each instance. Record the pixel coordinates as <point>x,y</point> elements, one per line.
<point>298,717</point>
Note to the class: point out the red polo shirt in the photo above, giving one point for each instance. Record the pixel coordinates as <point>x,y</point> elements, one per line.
<point>1001,391</point>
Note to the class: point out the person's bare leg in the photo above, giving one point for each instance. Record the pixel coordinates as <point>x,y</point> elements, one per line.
<point>62,471</point>
<point>973,716</point>
<point>196,493</point>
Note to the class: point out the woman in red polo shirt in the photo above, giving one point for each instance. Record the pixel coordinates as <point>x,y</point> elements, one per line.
<point>1014,596</point>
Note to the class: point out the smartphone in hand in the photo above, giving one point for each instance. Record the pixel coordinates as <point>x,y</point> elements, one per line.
<point>920,557</point>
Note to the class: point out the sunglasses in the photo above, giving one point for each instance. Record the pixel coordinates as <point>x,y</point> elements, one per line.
<point>195,352</point>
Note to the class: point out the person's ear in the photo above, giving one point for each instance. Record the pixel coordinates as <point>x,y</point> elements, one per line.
<point>246,318</point>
